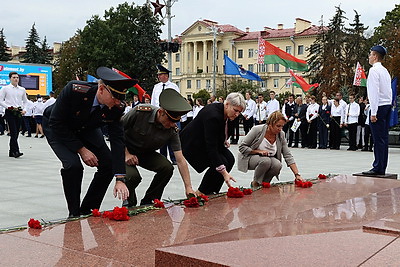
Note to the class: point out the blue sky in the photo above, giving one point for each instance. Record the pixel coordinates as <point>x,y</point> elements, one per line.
<point>59,20</point>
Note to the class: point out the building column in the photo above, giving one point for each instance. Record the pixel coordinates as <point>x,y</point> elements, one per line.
<point>204,56</point>
<point>194,57</point>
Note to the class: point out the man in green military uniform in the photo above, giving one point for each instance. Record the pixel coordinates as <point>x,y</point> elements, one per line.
<point>147,128</point>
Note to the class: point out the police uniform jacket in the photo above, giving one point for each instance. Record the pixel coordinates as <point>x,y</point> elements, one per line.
<point>143,133</point>
<point>72,120</point>
<point>204,137</point>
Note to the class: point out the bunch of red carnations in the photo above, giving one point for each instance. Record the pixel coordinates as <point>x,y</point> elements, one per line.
<point>35,224</point>
<point>194,202</point>
<point>304,184</point>
<point>117,214</point>
<point>158,203</point>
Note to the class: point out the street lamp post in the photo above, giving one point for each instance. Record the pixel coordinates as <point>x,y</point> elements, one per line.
<point>214,30</point>
<point>169,4</point>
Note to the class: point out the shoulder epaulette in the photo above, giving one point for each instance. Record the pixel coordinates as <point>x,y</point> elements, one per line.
<point>144,108</point>
<point>80,88</point>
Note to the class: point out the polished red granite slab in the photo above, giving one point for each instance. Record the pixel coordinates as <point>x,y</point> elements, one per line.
<point>346,248</point>
<point>387,225</point>
<point>284,213</point>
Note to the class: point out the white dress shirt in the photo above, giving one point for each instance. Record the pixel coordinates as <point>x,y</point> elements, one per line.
<point>338,111</point>
<point>13,96</point>
<point>272,106</point>
<point>196,110</point>
<point>38,108</point>
<point>29,108</point>
<point>49,102</point>
<point>158,89</point>
<point>261,111</point>
<point>312,111</point>
<point>378,87</point>
<point>352,113</point>
<point>250,108</point>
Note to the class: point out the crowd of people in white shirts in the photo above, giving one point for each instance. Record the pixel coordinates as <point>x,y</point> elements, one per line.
<point>32,119</point>
<point>309,124</point>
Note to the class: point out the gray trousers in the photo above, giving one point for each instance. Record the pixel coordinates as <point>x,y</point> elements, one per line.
<point>265,168</point>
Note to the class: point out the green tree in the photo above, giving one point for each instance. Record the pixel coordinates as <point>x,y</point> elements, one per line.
<point>356,49</point>
<point>33,51</point>
<point>203,94</point>
<point>242,87</point>
<point>388,35</point>
<point>327,58</point>
<point>67,64</point>
<point>5,55</point>
<point>126,38</point>
<point>45,52</point>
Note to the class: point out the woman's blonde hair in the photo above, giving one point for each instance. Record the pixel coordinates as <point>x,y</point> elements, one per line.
<point>275,117</point>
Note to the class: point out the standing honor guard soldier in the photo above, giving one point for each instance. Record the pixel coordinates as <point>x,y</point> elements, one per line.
<point>380,99</point>
<point>72,126</point>
<point>147,128</point>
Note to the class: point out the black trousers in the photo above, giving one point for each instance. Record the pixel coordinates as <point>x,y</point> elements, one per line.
<point>2,125</point>
<point>352,135</point>
<point>167,149</point>
<point>14,124</point>
<point>212,179</point>
<point>234,134</point>
<point>368,140</point>
<point>151,161</point>
<point>335,133</point>
<point>289,132</point>
<point>247,124</point>
<point>72,172</point>
<point>312,134</point>
<point>304,130</point>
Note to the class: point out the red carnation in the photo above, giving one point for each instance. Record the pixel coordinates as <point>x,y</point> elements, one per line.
<point>266,185</point>
<point>35,224</point>
<point>322,176</point>
<point>158,203</point>
<point>204,197</point>
<point>96,213</point>
<point>191,202</point>
<point>107,214</point>
<point>234,192</point>
<point>327,112</point>
<point>303,184</point>
<point>247,191</point>
<point>119,214</point>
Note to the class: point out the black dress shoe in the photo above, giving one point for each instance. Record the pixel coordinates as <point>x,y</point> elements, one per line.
<point>15,154</point>
<point>373,173</point>
<point>364,149</point>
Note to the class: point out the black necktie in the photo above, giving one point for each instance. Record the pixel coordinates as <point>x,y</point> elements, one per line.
<point>163,86</point>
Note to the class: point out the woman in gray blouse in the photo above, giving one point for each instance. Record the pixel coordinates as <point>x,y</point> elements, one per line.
<point>262,149</point>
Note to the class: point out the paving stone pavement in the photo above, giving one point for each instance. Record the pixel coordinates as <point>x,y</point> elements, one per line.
<point>31,185</point>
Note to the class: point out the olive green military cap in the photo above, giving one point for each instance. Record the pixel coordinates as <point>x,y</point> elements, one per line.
<point>174,104</point>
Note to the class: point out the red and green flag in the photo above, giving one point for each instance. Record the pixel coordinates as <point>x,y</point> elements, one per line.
<point>299,81</point>
<point>360,79</point>
<point>270,54</point>
<point>136,89</point>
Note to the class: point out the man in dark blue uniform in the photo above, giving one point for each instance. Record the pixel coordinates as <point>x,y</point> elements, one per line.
<point>73,130</point>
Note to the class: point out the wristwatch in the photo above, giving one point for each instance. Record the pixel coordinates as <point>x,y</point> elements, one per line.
<point>296,174</point>
<point>121,179</point>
